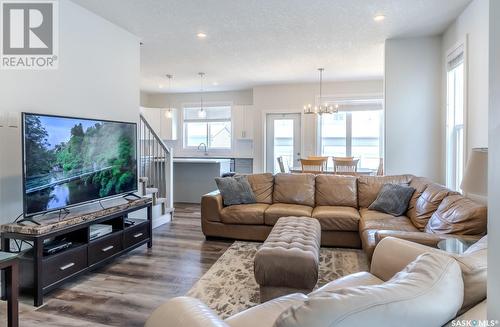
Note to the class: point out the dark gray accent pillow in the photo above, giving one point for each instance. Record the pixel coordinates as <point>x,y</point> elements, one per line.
<point>393,199</point>
<point>235,190</point>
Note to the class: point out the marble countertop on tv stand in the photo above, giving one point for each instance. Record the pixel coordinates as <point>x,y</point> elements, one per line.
<point>77,215</point>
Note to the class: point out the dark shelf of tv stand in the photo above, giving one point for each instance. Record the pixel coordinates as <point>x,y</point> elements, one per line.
<point>40,274</point>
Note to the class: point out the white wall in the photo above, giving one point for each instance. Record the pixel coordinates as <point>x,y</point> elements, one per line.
<point>98,77</point>
<point>473,25</point>
<point>162,100</point>
<point>413,124</point>
<point>494,163</point>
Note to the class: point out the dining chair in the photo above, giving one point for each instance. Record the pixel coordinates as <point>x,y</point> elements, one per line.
<point>312,165</point>
<point>380,169</point>
<point>281,164</point>
<point>325,160</point>
<point>345,165</point>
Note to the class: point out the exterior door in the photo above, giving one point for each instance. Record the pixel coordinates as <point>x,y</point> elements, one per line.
<point>282,140</point>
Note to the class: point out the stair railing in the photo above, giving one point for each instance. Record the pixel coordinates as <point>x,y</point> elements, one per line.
<point>155,162</point>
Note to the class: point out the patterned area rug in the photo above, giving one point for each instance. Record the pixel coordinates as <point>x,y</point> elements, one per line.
<point>229,287</point>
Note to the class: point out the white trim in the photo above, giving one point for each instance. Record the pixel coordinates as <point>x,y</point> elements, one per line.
<point>207,104</point>
<point>358,100</point>
<point>263,120</point>
<point>461,46</point>
<point>364,102</point>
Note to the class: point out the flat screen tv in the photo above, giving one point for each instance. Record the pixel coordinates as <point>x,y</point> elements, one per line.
<point>70,161</point>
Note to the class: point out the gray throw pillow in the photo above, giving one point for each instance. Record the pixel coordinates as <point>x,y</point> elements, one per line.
<point>393,199</point>
<point>235,190</point>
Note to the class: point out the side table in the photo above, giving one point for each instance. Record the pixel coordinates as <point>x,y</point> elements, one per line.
<point>10,282</point>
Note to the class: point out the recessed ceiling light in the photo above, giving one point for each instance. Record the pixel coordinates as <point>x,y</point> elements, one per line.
<point>378,18</point>
<point>160,86</point>
<point>201,35</point>
<point>215,83</point>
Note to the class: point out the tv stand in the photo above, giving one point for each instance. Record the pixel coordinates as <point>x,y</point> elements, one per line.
<point>27,220</point>
<point>41,273</point>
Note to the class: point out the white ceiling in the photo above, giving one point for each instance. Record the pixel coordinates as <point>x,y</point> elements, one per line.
<point>254,42</point>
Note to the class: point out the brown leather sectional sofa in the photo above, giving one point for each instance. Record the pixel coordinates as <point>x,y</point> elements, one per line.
<point>340,203</point>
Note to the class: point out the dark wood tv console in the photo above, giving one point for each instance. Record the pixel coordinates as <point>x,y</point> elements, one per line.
<point>40,273</point>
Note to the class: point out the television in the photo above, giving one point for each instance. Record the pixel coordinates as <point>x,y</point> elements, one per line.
<point>70,161</point>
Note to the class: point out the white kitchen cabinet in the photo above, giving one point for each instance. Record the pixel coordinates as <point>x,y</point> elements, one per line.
<point>243,117</point>
<point>163,125</point>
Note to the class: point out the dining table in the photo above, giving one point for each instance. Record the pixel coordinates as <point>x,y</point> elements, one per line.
<point>360,171</point>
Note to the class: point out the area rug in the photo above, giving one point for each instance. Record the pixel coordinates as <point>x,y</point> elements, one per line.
<point>229,286</point>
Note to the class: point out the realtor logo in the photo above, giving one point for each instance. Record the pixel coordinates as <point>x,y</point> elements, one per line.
<point>29,31</point>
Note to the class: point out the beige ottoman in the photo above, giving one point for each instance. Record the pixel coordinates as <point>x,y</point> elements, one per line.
<point>288,260</point>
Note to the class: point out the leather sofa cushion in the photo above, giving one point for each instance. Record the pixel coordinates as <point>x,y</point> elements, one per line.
<point>246,214</point>
<point>458,215</point>
<point>410,297</point>
<point>278,210</point>
<point>211,206</point>
<point>266,313</point>
<point>183,311</point>
<point>262,186</point>
<point>371,219</point>
<point>337,218</point>
<point>368,241</point>
<point>335,190</point>
<point>362,278</point>
<point>294,189</point>
<point>428,202</point>
<point>419,184</point>
<point>474,265</point>
<point>369,187</point>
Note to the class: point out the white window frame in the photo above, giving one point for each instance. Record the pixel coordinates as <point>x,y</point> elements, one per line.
<point>351,105</point>
<point>451,136</point>
<point>201,120</point>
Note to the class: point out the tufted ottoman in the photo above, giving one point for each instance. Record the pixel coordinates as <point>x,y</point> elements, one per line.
<point>288,260</point>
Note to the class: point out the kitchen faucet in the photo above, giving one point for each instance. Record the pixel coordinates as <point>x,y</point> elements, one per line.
<point>205,147</point>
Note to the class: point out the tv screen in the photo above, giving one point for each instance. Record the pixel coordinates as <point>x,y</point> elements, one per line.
<point>70,161</point>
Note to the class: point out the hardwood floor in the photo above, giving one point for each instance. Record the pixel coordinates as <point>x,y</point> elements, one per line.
<point>127,290</point>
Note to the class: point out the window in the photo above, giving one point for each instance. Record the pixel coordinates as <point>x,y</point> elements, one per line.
<point>354,131</point>
<point>214,129</point>
<point>455,142</point>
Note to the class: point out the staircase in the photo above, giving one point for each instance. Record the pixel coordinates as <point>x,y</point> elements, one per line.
<point>156,176</point>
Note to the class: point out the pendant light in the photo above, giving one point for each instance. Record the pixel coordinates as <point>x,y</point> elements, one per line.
<point>168,113</point>
<point>322,108</point>
<point>202,113</point>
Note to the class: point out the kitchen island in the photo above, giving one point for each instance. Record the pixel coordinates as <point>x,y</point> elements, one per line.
<point>194,177</point>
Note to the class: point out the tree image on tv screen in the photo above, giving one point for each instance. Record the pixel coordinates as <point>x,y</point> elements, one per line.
<point>69,161</point>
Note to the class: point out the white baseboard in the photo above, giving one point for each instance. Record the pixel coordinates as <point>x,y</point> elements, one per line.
<point>161,220</point>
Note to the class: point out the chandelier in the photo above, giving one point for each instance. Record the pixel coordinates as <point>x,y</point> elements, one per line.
<point>323,108</point>
<point>201,113</point>
<point>168,113</point>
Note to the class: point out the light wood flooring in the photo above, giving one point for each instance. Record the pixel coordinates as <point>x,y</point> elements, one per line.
<point>127,290</point>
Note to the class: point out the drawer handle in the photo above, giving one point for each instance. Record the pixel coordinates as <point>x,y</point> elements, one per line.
<point>69,265</point>
<point>106,249</point>
<point>138,235</point>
